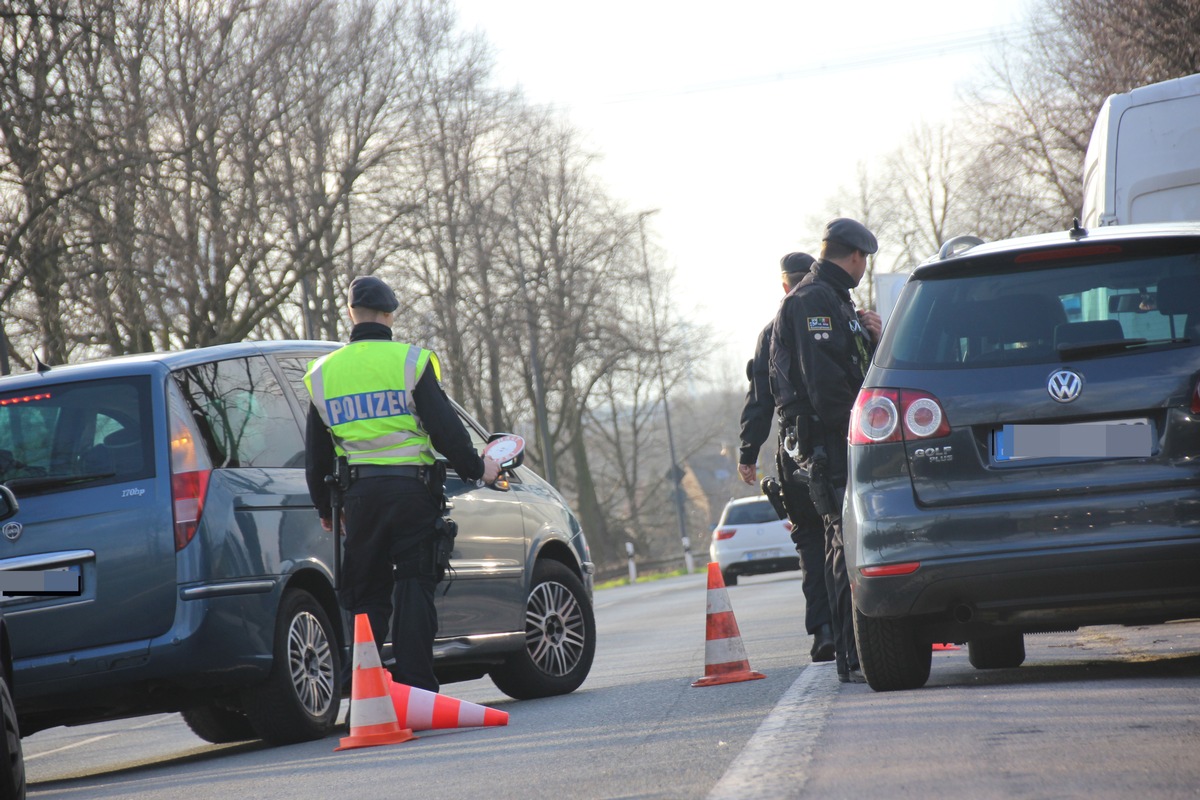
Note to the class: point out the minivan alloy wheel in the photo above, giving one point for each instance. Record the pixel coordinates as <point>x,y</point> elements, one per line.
<point>299,700</point>
<point>310,659</point>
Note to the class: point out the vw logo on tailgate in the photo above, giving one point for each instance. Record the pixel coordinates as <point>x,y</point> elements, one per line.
<point>1065,385</point>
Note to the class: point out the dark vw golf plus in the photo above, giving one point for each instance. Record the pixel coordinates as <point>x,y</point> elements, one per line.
<point>1025,451</point>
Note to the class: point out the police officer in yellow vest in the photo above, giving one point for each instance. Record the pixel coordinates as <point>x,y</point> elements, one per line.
<point>380,404</point>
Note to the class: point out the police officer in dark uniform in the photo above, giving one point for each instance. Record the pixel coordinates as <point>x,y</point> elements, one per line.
<point>808,530</point>
<point>380,405</point>
<point>820,350</point>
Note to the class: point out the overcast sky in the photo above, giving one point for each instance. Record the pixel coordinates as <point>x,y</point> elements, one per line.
<point>738,121</point>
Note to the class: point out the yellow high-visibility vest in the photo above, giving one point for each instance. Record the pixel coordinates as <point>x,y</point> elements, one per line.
<point>363,392</point>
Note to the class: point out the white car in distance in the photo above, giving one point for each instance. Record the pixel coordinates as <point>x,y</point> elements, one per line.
<point>751,539</point>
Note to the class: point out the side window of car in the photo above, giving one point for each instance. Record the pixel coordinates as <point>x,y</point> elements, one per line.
<point>478,440</point>
<point>294,368</point>
<point>243,414</point>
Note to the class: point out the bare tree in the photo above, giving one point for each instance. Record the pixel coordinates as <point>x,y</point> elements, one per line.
<point>874,205</point>
<point>458,184</point>
<point>1013,165</point>
<point>1116,45</point>
<point>660,359</point>
<point>50,157</point>
<point>115,279</point>
<point>1041,101</point>
<point>574,248</point>
<point>201,173</point>
<point>342,105</point>
<point>942,183</point>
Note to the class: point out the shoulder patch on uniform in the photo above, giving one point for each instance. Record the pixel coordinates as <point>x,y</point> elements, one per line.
<point>820,324</point>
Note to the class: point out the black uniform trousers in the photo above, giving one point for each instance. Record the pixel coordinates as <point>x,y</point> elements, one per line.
<point>838,580</point>
<point>808,535</point>
<point>389,530</point>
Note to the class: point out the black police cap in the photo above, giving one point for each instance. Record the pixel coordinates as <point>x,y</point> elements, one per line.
<point>851,233</point>
<point>796,263</point>
<point>367,291</point>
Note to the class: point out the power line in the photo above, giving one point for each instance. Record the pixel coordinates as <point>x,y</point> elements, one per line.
<point>919,50</point>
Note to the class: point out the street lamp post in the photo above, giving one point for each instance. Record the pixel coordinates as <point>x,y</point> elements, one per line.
<point>676,472</point>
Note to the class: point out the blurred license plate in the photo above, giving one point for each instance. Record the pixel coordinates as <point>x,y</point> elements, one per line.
<point>18,583</point>
<point>1131,438</point>
<point>761,554</point>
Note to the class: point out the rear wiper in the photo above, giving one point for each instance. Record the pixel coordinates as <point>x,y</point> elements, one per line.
<point>54,481</point>
<point>1112,346</point>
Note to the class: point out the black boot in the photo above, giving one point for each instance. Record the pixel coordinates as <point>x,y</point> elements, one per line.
<point>822,648</point>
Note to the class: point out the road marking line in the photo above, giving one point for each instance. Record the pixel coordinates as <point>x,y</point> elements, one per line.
<point>71,746</point>
<point>787,736</point>
<point>157,719</point>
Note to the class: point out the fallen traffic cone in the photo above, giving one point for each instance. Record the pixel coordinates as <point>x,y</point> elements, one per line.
<point>372,716</point>
<point>422,710</point>
<point>724,656</point>
<point>945,646</point>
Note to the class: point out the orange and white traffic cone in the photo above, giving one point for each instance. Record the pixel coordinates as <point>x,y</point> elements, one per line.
<point>372,716</point>
<point>724,656</point>
<point>423,710</point>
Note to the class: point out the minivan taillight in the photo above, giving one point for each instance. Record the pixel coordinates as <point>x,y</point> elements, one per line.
<point>190,468</point>
<point>896,415</point>
<point>187,493</point>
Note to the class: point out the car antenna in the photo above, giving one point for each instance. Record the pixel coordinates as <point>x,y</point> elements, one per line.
<point>1076,231</point>
<point>41,365</point>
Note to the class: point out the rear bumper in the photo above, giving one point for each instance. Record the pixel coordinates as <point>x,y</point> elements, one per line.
<point>217,643</point>
<point>1037,565</point>
<point>762,566</point>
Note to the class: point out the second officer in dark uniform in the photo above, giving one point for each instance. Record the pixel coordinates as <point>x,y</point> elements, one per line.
<point>820,350</point>
<point>380,405</point>
<point>808,530</point>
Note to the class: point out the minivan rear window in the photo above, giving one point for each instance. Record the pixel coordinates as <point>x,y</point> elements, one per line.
<point>1044,315</point>
<point>71,435</point>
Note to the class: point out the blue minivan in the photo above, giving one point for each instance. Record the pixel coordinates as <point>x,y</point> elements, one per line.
<point>172,485</point>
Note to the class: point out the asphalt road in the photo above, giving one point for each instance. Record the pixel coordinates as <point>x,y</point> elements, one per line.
<point>1105,712</point>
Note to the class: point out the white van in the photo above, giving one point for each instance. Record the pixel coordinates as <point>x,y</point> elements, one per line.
<point>1143,160</point>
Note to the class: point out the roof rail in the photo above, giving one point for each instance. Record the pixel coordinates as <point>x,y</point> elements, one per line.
<point>957,245</point>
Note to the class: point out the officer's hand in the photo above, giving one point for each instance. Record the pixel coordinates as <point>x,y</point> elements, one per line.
<point>748,472</point>
<point>872,322</point>
<point>327,524</point>
<point>491,469</point>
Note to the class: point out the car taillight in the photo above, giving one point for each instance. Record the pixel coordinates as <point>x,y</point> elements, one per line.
<point>896,415</point>
<point>724,533</point>
<point>190,468</point>
<point>875,417</point>
<point>187,491</point>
